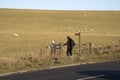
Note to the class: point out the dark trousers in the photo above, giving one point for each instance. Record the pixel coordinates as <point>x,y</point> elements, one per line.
<point>53,50</point>
<point>69,51</point>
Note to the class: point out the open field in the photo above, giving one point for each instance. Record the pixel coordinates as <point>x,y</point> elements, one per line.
<point>43,21</point>
<point>37,28</point>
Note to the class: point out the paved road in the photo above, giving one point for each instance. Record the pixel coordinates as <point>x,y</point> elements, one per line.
<point>98,71</point>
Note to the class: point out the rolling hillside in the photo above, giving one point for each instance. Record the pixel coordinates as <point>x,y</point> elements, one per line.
<point>37,28</point>
<point>46,21</point>
<point>26,34</point>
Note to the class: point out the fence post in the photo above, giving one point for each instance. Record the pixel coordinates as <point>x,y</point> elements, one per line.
<point>79,36</point>
<point>90,47</point>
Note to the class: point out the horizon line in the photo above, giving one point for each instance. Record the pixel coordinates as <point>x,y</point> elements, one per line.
<point>64,9</point>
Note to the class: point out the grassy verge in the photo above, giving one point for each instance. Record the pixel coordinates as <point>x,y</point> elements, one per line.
<point>13,64</point>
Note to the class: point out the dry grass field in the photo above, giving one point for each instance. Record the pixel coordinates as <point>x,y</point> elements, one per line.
<point>25,34</point>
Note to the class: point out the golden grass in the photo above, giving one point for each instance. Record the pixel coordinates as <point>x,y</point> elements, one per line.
<point>37,28</point>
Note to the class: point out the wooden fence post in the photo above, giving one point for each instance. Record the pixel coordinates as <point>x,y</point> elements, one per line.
<point>79,36</point>
<point>90,47</point>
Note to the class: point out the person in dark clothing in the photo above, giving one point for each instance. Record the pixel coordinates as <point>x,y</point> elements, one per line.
<point>70,44</point>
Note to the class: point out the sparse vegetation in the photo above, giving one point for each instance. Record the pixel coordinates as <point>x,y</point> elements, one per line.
<point>24,35</point>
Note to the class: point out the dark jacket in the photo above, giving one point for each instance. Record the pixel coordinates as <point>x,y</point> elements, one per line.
<point>70,43</point>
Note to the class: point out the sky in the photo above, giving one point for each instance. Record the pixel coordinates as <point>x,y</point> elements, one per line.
<point>62,4</point>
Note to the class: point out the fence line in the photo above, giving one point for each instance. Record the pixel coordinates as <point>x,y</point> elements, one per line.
<point>89,48</point>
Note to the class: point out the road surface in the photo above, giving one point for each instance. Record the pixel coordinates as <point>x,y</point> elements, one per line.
<point>97,71</point>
